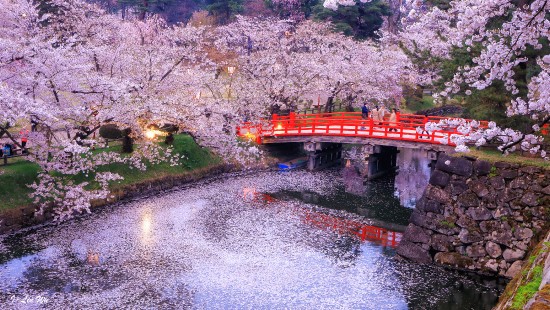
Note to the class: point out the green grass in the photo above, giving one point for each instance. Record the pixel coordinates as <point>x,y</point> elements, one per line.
<point>514,158</point>
<point>426,103</point>
<point>13,183</point>
<point>14,191</point>
<point>528,290</point>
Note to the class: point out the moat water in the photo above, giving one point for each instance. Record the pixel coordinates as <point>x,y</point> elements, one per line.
<point>269,240</point>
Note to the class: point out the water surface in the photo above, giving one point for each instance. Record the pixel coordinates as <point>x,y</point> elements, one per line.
<point>265,241</point>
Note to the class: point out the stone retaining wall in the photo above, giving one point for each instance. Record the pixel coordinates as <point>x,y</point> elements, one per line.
<point>478,216</point>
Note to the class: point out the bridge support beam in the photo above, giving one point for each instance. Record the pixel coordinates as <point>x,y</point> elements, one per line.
<point>322,155</point>
<point>380,161</point>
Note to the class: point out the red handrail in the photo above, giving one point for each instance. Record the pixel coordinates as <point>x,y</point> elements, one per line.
<point>349,124</point>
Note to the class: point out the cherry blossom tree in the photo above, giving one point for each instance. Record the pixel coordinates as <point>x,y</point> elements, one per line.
<point>289,63</point>
<point>80,68</point>
<point>503,32</point>
<point>102,70</point>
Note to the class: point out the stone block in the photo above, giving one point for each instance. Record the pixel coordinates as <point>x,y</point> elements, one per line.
<point>441,243</point>
<point>497,182</point>
<point>455,165</point>
<point>491,265</point>
<point>434,207</point>
<point>502,165</point>
<point>530,170</point>
<point>413,252</point>
<point>479,189</point>
<point>523,233</point>
<point>458,187</point>
<point>519,183</point>
<point>454,259</point>
<point>511,255</point>
<point>539,212</point>
<point>487,226</point>
<point>530,199</point>
<point>493,249</point>
<point>503,237</point>
<point>469,236</point>
<point>468,199</point>
<point>439,178</point>
<point>437,194</point>
<point>514,269</point>
<point>475,251</point>
<point>502,211</point>
<point>509,174</point>
<point>466,222</point>
<point>482,167</point>
<point>416,234</point>
<point>480,214</point>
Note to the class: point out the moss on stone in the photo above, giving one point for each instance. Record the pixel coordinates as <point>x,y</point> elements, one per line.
<point>448,224</point>
<point>528,290</point>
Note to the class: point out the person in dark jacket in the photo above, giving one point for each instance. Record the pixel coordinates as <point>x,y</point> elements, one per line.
<point>364,114</point>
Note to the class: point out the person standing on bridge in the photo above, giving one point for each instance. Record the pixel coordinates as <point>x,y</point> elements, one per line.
<point>393,120</point>
<point>376,115</point>
<point>364,114</point>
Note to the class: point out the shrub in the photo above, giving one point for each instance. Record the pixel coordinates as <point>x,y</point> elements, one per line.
<point>110,131</point>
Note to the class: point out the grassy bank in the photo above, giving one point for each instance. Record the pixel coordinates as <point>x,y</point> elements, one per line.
<point>14,191</point>
<point>493,155</point>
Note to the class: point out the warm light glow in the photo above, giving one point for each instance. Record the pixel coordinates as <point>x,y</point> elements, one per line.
<point>279,126</point>
<point>146,224</point>
<point>150,134</point>
<point>231,70</point>
<point>250,136</point>
<point>146,233</point>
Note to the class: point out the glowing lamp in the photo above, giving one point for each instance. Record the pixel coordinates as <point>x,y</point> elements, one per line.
<point>231,70</point>
<point>250,136</point>
<point>279,126</point>
<point>150,134</point>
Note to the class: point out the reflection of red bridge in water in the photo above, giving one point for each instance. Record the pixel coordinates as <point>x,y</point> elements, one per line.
<point>341,226</point>
<point>364,232</point>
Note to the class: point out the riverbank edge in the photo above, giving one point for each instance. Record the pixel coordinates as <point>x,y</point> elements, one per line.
<point>530,289</point>
<point>23,217</point>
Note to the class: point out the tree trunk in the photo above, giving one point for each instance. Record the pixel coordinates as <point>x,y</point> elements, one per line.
<point>143,10</point>
<point>127,143</point>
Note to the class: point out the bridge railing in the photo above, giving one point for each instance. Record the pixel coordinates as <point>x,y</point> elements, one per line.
<point>412,119</point>
<point>348,124</point>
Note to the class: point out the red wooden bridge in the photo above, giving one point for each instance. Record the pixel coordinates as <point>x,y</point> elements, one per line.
<point>341,126</point>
